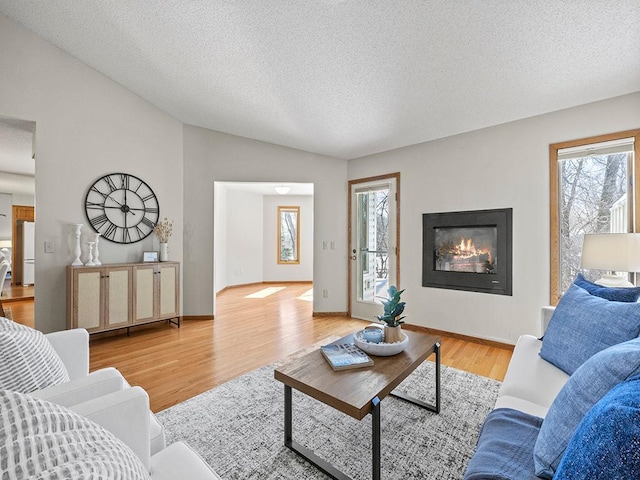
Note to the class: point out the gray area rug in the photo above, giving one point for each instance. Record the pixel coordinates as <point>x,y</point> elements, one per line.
<point>238,428</point>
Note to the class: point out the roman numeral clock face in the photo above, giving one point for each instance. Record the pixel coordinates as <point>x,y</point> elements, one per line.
<point>122,208</point>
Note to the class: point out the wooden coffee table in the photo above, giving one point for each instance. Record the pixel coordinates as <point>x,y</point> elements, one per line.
<point>355,392</point>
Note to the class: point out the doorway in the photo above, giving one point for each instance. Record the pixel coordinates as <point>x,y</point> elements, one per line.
<point>17,184</point>
<point>246,233</point>
<point>374,240</point>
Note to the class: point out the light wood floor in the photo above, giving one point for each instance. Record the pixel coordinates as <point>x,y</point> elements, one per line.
<point>17,292</point>
<point>173,364</point>
<point>18,300</point>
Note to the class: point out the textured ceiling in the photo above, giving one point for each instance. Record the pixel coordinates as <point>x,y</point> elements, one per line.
<point>350,78</point>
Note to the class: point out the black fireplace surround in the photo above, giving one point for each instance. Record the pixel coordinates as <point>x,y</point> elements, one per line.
<point>468,250</point>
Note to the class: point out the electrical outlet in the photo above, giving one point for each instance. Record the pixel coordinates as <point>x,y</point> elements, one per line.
<point>325,293</point>
<point>49,247</point>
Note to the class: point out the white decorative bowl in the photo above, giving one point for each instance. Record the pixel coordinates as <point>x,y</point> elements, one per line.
<point>380,349</point>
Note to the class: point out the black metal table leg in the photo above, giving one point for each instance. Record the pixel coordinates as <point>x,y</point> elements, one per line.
<point>434,408</point>
<point>375,441</point>
<point>288,413</point>
<point>437,348</point>
<point>302,451</point>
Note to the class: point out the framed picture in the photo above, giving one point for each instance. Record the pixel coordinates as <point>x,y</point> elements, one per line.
<point>150,257</point>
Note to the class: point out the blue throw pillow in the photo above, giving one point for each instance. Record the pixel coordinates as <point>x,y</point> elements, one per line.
<point>583,324</point>
<point>583,390</point>
<point>605,444</point>
<point>630,294</point>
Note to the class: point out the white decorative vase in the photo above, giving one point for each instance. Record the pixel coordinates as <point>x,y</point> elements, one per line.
<point>90,262</point>
<point>393,334</point>
<point>77,250</point>
<point>96,253</point>
<point>164,252</point>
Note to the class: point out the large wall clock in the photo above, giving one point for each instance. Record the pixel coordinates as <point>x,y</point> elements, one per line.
<point>122,208</point>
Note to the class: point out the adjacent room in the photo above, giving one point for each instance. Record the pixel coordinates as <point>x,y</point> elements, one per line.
<point>328,239</point>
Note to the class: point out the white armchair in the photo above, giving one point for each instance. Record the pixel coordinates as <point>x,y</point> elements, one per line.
<point>123,413</point>
<point>73,348</point>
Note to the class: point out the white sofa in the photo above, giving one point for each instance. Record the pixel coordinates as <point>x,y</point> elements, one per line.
<point>548,423</point>
<point>530,386</point>
<point>531,383</point>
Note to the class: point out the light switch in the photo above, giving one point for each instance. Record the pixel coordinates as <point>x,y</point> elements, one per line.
<point>49,247</point>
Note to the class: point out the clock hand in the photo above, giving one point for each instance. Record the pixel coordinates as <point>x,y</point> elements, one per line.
<point>125,213</point>
<point>120,208</point>
<point>114,200</point>
<point>124,207</point>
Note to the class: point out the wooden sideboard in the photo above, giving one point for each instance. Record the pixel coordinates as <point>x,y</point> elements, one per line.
<point>122,295</point>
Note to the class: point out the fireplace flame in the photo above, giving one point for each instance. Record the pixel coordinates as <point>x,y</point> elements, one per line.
<point>467,249</point>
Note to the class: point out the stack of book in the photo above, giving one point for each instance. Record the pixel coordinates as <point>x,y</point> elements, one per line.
<point>345,355</point>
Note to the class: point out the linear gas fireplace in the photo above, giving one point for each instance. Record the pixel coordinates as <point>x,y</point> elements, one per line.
<point>468,250</point>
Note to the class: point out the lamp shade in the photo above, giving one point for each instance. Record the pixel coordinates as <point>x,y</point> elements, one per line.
<point>615,252</point>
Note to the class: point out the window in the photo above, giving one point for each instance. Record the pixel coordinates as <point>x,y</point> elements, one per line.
<point>373,241</point>
<point>288,235</point>
<point>591,187</point>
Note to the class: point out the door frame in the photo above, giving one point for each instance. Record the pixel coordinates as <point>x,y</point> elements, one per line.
<point>350,263</point>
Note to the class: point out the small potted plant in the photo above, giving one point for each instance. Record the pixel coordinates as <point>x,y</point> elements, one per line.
<point>393,308</point>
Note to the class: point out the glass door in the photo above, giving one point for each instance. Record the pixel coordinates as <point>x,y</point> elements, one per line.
<point>373,248</point>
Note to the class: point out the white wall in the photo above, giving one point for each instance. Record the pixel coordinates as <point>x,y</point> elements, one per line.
<point>23,199</point>
<point>220,237</point>
<point>20,186</point>
<point>213,156</point>
<point>244,238</point>
<point>86,126</point>
<point>502,166</point>
<point>6,208</point>
<point>273,272</point>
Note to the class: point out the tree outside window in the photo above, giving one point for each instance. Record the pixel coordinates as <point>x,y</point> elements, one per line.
<point>591,192</point>
<point>593,199</point>
<point>288,235</point>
